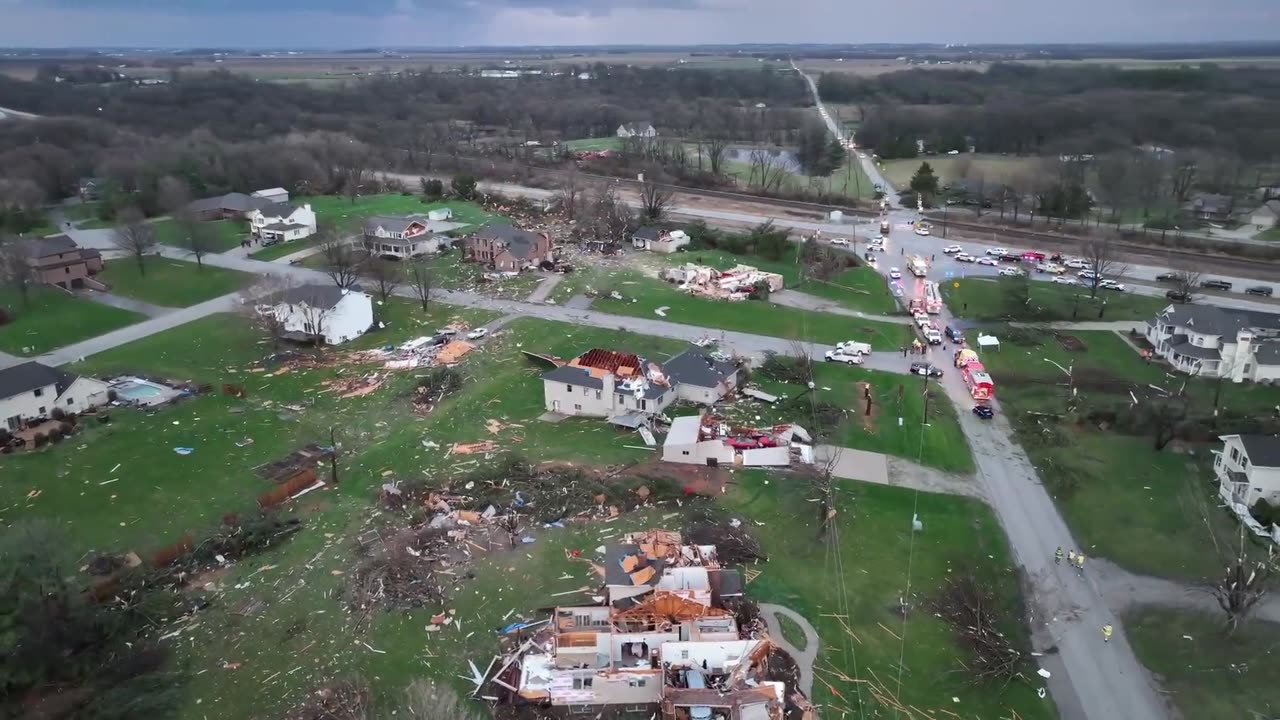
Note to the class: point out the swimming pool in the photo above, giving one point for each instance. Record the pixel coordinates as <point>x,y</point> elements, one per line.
<point>142,392</point>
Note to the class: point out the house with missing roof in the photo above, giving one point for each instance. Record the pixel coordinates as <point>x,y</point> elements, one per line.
<point>1248,470</point>
<point>282,222</point>
<point>1212,341</point>
<point>700,377</point>
<point>328,313</point>
<point>507,248</point>
<point>399,237</point>
<point>660,241</point>
<point>30,392</point>
<point>660,641</point>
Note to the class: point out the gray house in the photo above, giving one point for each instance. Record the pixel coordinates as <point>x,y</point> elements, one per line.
<point>700,378</point>
<point>607,384</point>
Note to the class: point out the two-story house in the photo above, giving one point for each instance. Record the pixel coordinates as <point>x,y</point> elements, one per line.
<point>1212,341</point>
<point>322,312</point>
<point>607,384</point>
<point>282,222</point>
<point>1248,469</point>
<point>641,129</point>
<point>31,391</point>
<point>507,248</point>
<point>404,236</point>
<point>57,260</point>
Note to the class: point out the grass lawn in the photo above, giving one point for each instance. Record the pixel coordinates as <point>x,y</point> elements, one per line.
<point>849,179</point>
<point>1211,674</point>
<point>947,167</point>
<point>647,294</point>
<point>985,299</point>
<point>95,223</point>
<point>1153,512</point>
<point>860,571</point>
<point>1272,234</point>
<point>55,319</point>
<point>454,274</point>
<point>602,143</point>
<point>171,283</point>
<point>80,211</point>
<point>224,234</point>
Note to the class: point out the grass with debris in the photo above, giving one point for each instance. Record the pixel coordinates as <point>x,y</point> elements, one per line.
<point>170,283</point>
<point>1205,672</point>
<point>53,318</point>
<point>849,583</point>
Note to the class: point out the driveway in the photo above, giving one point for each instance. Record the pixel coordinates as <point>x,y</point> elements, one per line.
<point>804,658</point>
<point>124,303</point>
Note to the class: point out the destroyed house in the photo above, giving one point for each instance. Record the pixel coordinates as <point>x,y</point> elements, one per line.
<point>607,384</point>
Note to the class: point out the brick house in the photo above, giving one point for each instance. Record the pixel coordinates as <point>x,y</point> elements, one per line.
<point>507,248</point>
<point>59,261</point>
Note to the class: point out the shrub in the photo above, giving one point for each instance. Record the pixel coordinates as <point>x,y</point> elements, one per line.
<point>5,316</point>
<point>58,413</point>
<point>40,439</point>
<point>55,434</point>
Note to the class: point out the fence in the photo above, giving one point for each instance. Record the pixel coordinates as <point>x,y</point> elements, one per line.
<point>284,490</point>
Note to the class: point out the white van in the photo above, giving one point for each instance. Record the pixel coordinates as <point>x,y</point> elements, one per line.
<point>849,347</point>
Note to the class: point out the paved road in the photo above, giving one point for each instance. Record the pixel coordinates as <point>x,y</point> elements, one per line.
<point>805,301</point>
<point>804,658</point>
<point>1123,590</point>
<point>124,303</point>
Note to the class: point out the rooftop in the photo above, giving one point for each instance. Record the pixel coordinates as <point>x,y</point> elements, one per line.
<point>1263,450</point>
<point>694,367</point>
<point>29,376</point>
<point>316,296</point>
<point>1215,320</point>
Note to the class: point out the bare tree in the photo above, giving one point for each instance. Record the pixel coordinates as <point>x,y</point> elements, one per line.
<point>196,236</point>
<point>422,279</point>
<point>1244,584</point>
<point>1163,417</point>
<point>767,171</point>
<point>16,268</point>
<point>172,194</point>
<point>655,200</point>
<point>1186,281</point>
<point>1102,258</point>
<point>1182,180</point>
<point>387,276</point>
<point>568,194</point>
<point>607,218</point>
<point>259,305</point>
<point>342,263</point>
<point>717,148</point>
<point>135,236</point>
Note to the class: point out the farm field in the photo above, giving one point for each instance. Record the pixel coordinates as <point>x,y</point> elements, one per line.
<point>991,167</point>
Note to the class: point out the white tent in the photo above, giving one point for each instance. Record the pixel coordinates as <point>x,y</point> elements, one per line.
<point>989,341</point>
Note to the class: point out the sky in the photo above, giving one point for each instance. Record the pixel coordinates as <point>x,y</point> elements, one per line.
<point>439,23</point>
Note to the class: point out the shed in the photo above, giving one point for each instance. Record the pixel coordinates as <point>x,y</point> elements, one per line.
<point>683,444</point>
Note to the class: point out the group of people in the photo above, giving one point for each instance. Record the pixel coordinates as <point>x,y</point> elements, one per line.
<point>1076,560</point>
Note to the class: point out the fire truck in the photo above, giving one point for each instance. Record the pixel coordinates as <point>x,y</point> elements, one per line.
<point>976,379</point>
<point>932,298</point>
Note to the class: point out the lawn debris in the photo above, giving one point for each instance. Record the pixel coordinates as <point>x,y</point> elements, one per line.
<point>972,610</point>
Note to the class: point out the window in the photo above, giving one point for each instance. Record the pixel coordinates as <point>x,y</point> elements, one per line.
<point>577,407</point>
<point>684,654</point>
<point>582,683</point>
<point>39,392</point>
<point>42,410</point>
<point>568,388</point>
<point>643,404</point>
<point>684,452</point>
<point>1235,455</point>
<point>636,682</point>
<point>71,401</point>
<point>586,390</point>
<point>599,394</point>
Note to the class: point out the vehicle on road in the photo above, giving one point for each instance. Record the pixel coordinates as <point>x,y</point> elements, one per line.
<point>918,266</point>
<point>932,336</point>
<point>1167,277</point>
<point>846,358</point>
<point>990,261</point>
<point>1033,256</point>
<point>984,411</point>
<point>1051,268</point>
<point>895,274</point>
<point>1075,263</point>
<point>1087,275</point>
<point>1064,280</point>
<point>955,335</point>
<point>951,249</point>
<point>1215,284</point>
<point>997,252</point>
<point>965,258</point>
<point>1178,296</point>
<point>923,321</point>
<point>1259,290</point>
<point>840,241</point>
<point>1011,272</point>
<point>922,230</point>
<point>876,244</point>
<point>478,333</point>
<point>1111,285</point>
<point>926,369</point>
<point>862,156</point>
<point>884,228</point>
<point>853,347</point>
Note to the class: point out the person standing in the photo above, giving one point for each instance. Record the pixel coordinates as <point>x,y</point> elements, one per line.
<point>1080,564</point>
<point>1106,633</point>
<point>1057,556</point>
<point>1071,558</point>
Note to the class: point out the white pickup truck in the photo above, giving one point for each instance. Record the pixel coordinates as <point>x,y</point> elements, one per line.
<point>851,347</point>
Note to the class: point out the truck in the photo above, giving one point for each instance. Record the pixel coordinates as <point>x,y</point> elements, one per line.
<point>932,298</point>
<point>918,266</point>
<point>884,228</point>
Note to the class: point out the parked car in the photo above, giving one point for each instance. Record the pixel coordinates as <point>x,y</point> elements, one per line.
<point>1064,280</point>
<point>955,335</point>
<point>950,249</point>
<point>1087,275</point>
<point>1011,272</point>
<point>853,347</point>
<point>1076,263</point>
<point>1167,277</point>
<point>1259,290</point>
<point>478,333</point>
<point>988,261</point>
<point>1177,296</point>
<point>997,251</point>
<point>1051,268</point>
<point>1111,285</point>
<point>895,274</point>
<point>926,369</point>
<point>846,358</point>
<point>984,411</point>
<point>1215,284</point>
<point>840,241</point>
<point>965,258</point>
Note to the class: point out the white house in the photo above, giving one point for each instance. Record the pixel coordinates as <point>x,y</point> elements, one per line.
<point>642,129</point>
<point>660,241</point>
<point>440,214</point>
<point>275,195</point>
<point>607,384</point>
<point>31,391</point>
<point>1241,345</point>
<point>326,311</point>
<point>282,222</point>
<point>1248,468</point>
<point>684,444</point>
<point>401,237</point>
<point>1266,216</point>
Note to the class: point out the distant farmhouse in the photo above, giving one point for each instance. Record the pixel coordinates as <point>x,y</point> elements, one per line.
<point>642,129</point>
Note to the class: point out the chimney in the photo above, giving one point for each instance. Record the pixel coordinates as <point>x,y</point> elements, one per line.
<point>608,387</point>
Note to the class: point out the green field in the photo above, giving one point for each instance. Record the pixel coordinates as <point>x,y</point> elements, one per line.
<point>602,143</point>
<point>987,299</point>
<point>171,283</point>
<point>1205,672</point>
<point>55,319</point>
<point>224,234</point>
<point>993,168</point>
<point>849,180</point>
<point>648,294</point>
<point>80,211</point>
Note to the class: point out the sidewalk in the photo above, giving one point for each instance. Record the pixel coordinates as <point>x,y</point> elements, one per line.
<point>803,301</point>
<point>124,303</point>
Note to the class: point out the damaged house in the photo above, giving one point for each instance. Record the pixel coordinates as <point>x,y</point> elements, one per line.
<point>507,248</point>
<point>736,283</point>
<point>705,440</point>
<point>324,313</point>
<point>404,236</point>
<point>662,643</point>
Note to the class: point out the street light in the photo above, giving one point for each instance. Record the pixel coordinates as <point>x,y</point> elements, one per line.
<point>1066,371</point>
<point>945,205</point>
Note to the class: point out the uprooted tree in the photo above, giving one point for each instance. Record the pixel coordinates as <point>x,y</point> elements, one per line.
<point>1244,583</point>
<point>974,613</point>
